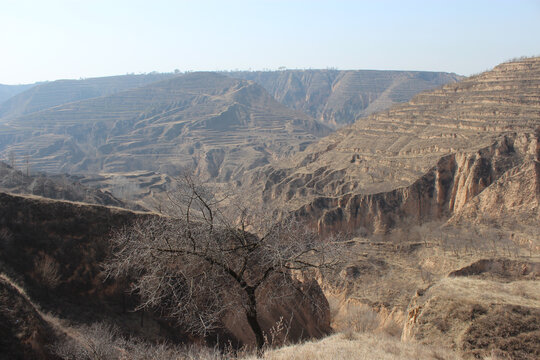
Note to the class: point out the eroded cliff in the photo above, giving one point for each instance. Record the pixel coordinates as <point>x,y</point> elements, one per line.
<point>422,160</point>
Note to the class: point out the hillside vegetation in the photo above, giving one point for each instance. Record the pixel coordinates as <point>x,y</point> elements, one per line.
<point>432,207</point>
<point>55,187</point>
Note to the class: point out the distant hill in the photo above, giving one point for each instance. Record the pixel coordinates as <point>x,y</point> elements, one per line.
<point>338,98</point>
<point>221,126</point>
<point>7,91</point>
<point>50,94</point>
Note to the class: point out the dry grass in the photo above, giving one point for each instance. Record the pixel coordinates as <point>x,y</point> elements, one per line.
<point>522,293</point>
<point>353,317</point>
<point>479,317</point>
<point>357,346</point>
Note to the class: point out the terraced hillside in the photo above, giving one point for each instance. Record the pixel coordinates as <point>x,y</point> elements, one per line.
<point>338,98</point>
<point>49,94</point>
<point>423,159</point>
<point>220,125</point>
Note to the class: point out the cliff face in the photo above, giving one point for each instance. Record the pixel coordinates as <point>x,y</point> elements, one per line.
<point>443,190</point>
<point>422,160</point>
<point>513,199</point>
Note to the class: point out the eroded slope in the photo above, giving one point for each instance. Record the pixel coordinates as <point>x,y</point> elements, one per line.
<point>439,150</point>
<point>56,249</point>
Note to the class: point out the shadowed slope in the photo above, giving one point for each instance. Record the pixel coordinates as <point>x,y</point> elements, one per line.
<point>57,248</point>
<point>53,187</point>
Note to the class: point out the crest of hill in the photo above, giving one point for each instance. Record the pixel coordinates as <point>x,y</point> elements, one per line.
<point>46,95</point>
<point>336,98</point>
<point>54,187</point>
<point>7,91</point>
<point>221,125</point>
<point>444,147</point>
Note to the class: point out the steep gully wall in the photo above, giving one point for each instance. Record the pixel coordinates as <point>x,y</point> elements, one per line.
<point>442,191</point>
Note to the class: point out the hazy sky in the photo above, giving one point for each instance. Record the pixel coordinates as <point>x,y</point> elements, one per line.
<point>52,39</point>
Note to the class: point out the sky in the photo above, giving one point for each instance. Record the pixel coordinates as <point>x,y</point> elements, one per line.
<point>70,39</point>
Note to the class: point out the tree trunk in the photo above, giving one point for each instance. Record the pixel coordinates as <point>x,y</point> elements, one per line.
<point>253,322</point>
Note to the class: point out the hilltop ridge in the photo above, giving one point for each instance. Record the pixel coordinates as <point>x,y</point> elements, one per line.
<point>338,97</point>
<point>50,94</point>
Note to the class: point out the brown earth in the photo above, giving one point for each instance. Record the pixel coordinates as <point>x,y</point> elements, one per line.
<point>424,160</point>
<point>219,125</point>
<point>45,95</point>
<point>23,332</point>
<point>63,187</point>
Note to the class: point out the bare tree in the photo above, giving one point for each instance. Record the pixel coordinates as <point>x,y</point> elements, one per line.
<point>202,263</point>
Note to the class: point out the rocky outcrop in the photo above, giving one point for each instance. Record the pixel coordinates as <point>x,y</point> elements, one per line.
<point>442,191</point>
<point>513,199</point>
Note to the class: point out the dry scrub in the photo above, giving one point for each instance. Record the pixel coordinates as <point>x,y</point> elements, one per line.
<point>357,346</point>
